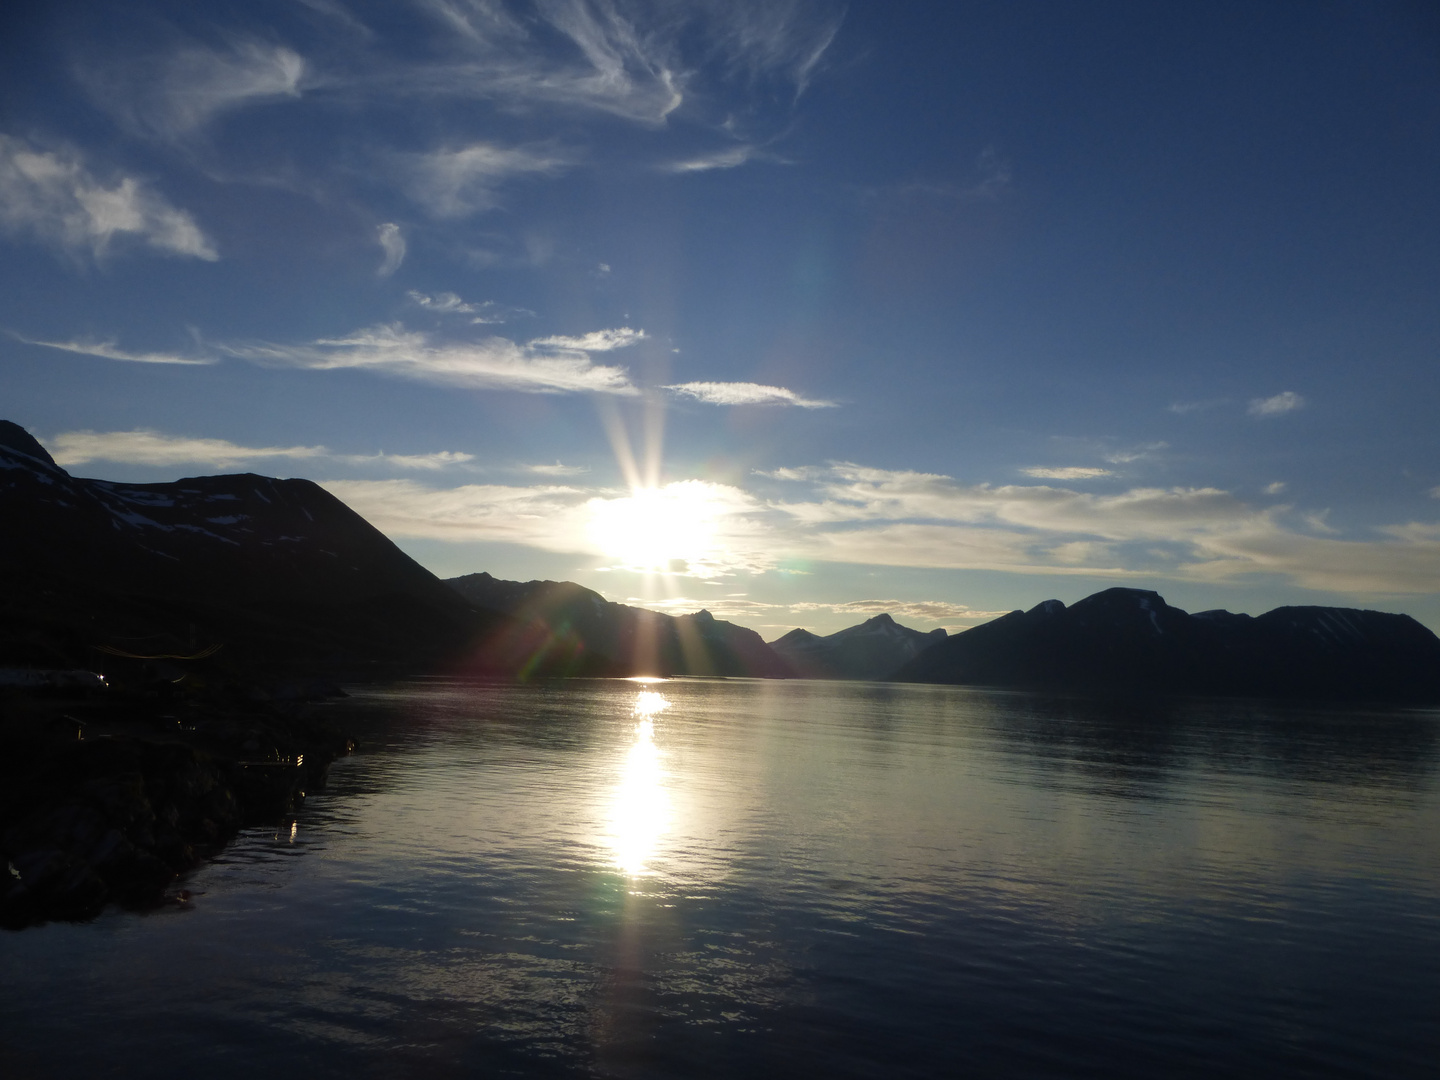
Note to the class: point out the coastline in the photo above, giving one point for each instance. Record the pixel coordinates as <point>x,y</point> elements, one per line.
<point>109,795</point>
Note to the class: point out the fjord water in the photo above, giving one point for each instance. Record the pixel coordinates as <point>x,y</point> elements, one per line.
<point>717,878</point>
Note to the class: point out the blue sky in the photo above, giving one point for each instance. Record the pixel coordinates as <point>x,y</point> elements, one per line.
<point>795,311</point>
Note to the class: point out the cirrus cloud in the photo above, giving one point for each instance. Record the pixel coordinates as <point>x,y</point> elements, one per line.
<point>595,341</point>
<point>746,393</point>
<point>481,312</point>
<point>175,93</point>
<point>1066,472</point>
<point>108,350</point>
<point>458,183</point>
<point>148,447</point>
<point>493,363</point>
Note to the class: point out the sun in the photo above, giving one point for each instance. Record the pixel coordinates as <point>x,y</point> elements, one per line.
<point>654,529</point>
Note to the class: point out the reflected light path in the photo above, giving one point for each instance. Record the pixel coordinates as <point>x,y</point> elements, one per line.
<point>640,807</point>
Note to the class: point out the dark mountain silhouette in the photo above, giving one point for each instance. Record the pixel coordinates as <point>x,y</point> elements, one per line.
<point>564,628</point>
<point>283,577</point>
<point>872,650</point>
<point>1124,640</point>
<point>278,572</point>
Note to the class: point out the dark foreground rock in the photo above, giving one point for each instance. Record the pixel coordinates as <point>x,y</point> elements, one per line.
<point>108,801</point>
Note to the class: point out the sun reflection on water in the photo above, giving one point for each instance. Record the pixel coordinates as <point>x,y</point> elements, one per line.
<point>640,807</point>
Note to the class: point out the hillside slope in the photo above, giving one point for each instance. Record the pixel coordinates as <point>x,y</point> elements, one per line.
<point>275,571</point>
<point>567,629</point>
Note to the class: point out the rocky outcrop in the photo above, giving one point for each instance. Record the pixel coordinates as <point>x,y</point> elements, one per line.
<point>105,801</point>
<point>1131,640</point>
<point>872,650</point>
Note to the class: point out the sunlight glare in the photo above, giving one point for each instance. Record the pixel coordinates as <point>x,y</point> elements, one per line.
<point>640,809</point>
<point>654,528</point>
<point>648,703</point>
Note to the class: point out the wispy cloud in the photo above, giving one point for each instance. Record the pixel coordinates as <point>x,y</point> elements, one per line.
<point>1274,489</point>
<point>1405,560</point>
<point>440,459</point>
<point>1125,455</point>
<point>392,242</point>
<point>901,518</point>
<point>145,447</point>
<point>1282,403</point>
<point>55,198</point>
<point>1066,472</point>
<point>857,493</point>
<point>550,517</point>
<point>458,183</point>
<point>992,179</point>
<point>804,472</point>
<point>148,447</point>
<point>174,93</point>
<point>107,350</point>
<point>557,364</point>
<point>609,62</point>
<point>1105,448</point>
<point>485,311</point>
<point>1184,407</point>
<point>336,11</point>
<point>595,341</point>
<point>557,469</point>
<point>728,158</point>
<point>774,39</point>
<point>746,393</point>
<point>635,61</point>
<point>492,363</point>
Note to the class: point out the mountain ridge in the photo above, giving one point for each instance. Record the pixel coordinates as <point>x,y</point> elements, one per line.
<point>872,649</point>
<point>285,575</point>
<point>569,629</point>
<point>280,572</point>
<point>1132,640</point>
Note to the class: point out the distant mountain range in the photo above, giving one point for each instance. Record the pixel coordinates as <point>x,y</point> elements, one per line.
<point>875,649</point>
<point>281,575</point>
<point>1132,640</point>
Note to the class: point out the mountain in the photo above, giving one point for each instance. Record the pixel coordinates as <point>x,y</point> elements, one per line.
<point>274,572</point>
<point>1123,640</point>
<point>871,650</point>
<point>565,629</point>
<point>279,576</point>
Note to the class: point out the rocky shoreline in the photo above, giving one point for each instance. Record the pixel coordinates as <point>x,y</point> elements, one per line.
<point>107,797</point>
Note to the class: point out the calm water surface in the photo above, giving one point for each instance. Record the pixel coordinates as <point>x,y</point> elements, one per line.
<point>697,878</point>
